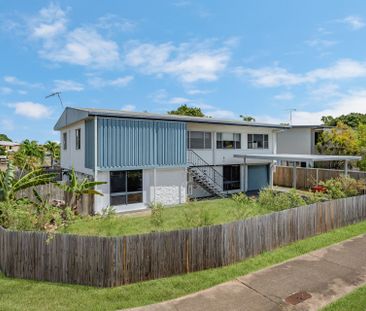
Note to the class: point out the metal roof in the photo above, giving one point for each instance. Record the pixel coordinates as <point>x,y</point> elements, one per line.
<point>72,115</point>
<point>298,157</point>
<point>8,143</point>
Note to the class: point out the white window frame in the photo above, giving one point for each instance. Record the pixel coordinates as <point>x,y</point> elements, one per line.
<point>204,140</point>
<point>254,145</point>
<point>236,143</point>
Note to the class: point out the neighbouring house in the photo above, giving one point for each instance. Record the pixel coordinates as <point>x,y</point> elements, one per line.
<point>9,146</point>
<point>300,139</point>
<point>145,158</point>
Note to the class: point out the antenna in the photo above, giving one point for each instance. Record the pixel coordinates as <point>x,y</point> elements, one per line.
<point>291,110</point>
<point>58,94</point>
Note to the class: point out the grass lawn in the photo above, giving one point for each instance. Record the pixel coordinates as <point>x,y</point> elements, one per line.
<point>355,301</point>
<point>31,296</point>
<point>218,211</point>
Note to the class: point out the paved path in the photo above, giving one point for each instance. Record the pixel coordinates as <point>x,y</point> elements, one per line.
<point>326,274</point>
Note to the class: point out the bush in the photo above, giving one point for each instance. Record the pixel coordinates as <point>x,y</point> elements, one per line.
<point>26,215</point>
<point>196,215</point>
<point>342,187</point>
<point>278,201</point>
<point>157,217</point>
<point>243,206</point>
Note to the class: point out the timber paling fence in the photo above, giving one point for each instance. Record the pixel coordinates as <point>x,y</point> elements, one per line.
<point>309,177</point>
<point>107,262</point>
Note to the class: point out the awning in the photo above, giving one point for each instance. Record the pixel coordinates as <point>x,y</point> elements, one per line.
<point>300,158</point>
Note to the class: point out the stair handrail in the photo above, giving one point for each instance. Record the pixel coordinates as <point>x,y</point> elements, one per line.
<point>217,176</point>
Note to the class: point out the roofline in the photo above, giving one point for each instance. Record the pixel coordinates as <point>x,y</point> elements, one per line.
<point>298,157</point>
<point>165,117</point>
<point>313,126</point>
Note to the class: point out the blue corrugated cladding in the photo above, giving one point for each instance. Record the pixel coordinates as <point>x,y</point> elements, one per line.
<point>132,143</point>
<point>89,144</point>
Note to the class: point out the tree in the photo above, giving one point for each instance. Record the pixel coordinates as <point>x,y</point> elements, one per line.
<point>247,118</point>
<point>184,110</point>
<point>77,188</point>
<point>4,137</point>
<point>29,156</point>
<point>352,119</point>
<point>10,184</point>
<point>53,149</point>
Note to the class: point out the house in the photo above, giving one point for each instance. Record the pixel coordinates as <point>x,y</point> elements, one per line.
<point>300,139</point>
<point>9,146</point>
<point>145,158</point>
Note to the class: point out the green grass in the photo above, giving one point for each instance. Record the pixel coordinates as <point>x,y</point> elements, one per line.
<point>31,296</point>
<point>355,301</point>
<point>219,211</point>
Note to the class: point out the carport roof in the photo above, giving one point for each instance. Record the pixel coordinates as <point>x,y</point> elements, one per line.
<point>298,157</point>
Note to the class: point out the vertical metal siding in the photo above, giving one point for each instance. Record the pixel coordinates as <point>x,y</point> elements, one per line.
<point>89,144</point>
<point>129,143</point>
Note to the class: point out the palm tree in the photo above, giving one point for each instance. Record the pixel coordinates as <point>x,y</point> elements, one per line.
<point>53,149</point>
<point>29,156</point>
<point>10,184</point>
<point>77,188</point>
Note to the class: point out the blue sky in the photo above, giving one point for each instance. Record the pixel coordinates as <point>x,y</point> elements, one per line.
<point>255,58</point>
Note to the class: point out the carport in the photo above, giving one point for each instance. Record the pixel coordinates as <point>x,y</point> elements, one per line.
<point>294,158</point>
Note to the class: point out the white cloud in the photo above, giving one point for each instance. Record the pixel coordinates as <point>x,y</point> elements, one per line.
<point>284,96</point>
<point>98,82</point>
<point>277,76</point>
<point>221,114</point>
<point>31,110</point>
<point>6,125</point>
<point>129,108</point>
<point>324,91</point>
<point>5,90</point>
<point>50,22</point>
<point>113,22</point>
<point>179,100</point>
<point>320,43</point>
<point>15,81</point>
<point>197,92</point>
<point>84,47</point>
<point>188,62</point>
<point>354,22</point>
<point>67,85</point>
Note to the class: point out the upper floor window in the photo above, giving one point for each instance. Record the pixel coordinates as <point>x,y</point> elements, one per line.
<point>64,141</point>
<point>257,141</point>
<point>77,139</point>
<point>228,141</point>
<point>199,140</point>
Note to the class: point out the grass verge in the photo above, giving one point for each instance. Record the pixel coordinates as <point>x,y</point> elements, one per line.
<point>19,295</point>
<point>355,301</point>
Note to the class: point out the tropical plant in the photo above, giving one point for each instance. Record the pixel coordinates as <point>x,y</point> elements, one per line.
<point>77,188</point>
<point>53,149</point>
<point>247,118</point>
<point>10,184</point>
<point>29,156</point>
<point>342,187</point>
<point>187,111</point>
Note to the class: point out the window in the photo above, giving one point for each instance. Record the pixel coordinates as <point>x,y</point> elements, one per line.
<point>77,139</point>
<point>228,141</point>
<point>64,141</point>
<point>199,140</point>
<point>126,187</point>
<point>231,177</point>
<point>317,137</point>
<point>257,141</point>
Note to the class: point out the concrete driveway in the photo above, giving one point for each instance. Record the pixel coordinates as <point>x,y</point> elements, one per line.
<point>307,282</point>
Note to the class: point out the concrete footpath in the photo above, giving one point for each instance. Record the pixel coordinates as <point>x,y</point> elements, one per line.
<point>308,282</point>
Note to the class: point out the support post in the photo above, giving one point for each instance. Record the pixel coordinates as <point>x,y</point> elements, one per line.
<point>294,177</point>
<point>346,167</point>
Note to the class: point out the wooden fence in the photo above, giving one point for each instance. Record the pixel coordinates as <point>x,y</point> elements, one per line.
<point>52,192</point>
<point>308,177</point>
<point>107,262</point>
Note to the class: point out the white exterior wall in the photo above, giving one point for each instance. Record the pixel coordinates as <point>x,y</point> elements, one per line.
<point>72,157</point>
<point>216,156</point>
<point>167,186</point>
<point>295,141</point>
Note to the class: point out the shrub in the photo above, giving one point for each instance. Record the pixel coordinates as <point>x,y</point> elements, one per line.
<point>157,214</point>
<point>295,199</point>
<point>242,207</point>
<point>196,215</point>
<point>278,201</point>
<point>342,187</point>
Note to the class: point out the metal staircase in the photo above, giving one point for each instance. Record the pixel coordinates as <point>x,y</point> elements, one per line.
<point>205,175</point>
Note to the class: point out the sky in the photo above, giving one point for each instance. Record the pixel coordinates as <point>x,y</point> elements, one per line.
<point>230,58</point>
